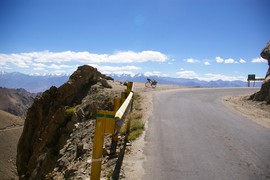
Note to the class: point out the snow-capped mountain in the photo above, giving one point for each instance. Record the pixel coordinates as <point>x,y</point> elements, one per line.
<point>182,81</point>
<point>40,83</point>
<point>31,83</point>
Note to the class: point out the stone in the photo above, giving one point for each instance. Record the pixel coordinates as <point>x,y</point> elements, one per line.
<point>86,147</point>
<point>69,173</point>
<point>264,93</point>
<point>104,83</point>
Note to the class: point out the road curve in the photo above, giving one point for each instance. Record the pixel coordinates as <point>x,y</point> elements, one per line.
<point>193,135</point>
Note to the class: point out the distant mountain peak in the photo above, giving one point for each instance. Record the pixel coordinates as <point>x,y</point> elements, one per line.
<point>180,81</point>
<point>31,83</point>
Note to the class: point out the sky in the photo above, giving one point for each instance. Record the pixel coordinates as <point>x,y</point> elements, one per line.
<point>203,39</point>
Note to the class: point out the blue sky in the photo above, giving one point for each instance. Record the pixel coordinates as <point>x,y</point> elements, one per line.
<point>204,39</point>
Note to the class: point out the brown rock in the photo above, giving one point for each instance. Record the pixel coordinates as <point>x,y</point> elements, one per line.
<point>264,93</point>
<point>47,125</point>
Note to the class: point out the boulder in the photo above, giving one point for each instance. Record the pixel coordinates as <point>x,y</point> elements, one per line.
<point>264,93</point>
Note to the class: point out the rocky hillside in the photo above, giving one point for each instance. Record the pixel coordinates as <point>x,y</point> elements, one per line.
<point>16,101</point>
<point>264,93</point>
<point>10,131</point>
<point>13,108</point>
<point>52,120</point>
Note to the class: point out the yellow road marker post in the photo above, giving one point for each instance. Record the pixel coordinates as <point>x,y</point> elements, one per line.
<point>105,123</point>
<point>115,135</point>
<point>108,122</point>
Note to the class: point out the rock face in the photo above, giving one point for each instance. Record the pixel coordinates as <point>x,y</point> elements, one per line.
<point>264,93</point>
<point>50,121</point>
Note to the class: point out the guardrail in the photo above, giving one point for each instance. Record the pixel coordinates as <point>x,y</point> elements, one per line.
<point>109,122</point>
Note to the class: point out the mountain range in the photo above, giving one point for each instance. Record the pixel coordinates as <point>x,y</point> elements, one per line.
<point>182,81</point>
<point>34,84</point>
<point>31,83</point>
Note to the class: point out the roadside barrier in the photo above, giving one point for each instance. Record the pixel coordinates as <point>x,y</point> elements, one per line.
<point>110,122</point>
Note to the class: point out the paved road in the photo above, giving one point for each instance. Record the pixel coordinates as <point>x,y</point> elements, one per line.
<point>192,135</point>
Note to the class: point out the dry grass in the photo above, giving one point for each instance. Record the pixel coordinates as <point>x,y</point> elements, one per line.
<point>135,118</point>
<point>136,129</point>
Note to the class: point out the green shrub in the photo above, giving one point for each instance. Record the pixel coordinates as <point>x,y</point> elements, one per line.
<point>69,112</point>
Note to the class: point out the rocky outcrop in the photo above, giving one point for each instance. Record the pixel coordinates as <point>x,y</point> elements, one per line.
<point>50,121</point>
<point>264,93</point>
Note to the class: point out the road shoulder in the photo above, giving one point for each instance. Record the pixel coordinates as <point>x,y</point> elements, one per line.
<point>257,112</point>
<point>134,157</point>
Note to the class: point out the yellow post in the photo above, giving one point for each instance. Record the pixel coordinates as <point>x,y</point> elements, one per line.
<point>123,97</point>
<point>105,123</point>
<point>98,146</point>
<point>128,90</point>
<point>116,104</point>
<point>129,86</point>
<point>115,136</point>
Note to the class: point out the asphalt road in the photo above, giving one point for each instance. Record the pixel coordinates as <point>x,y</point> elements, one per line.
<point>193,135</point>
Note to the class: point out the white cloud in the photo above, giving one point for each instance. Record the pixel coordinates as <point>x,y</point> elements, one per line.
<point>24,59</point>
<point>187,74</point>
<point>115,68</point>
<point>39,68</point>
<point>154,73</point>
<point>21,64</point>
<point>207,63</point>
<point>226,61</point>
<point>131,70</point>
<point>131,57</point>
<point>214,77</point>
<point>229,61</point>
<point>2,63</point>
<point>40,65</point>
<point>242,61</point>
<point>62,66</point>
<point>219,60</point>
<point>258,60</point>
<point>209,76</point>
<point>191,60</point>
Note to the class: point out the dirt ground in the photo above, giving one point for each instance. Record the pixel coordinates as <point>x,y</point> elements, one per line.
<point>258,112</point>
<point>132,167</point>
